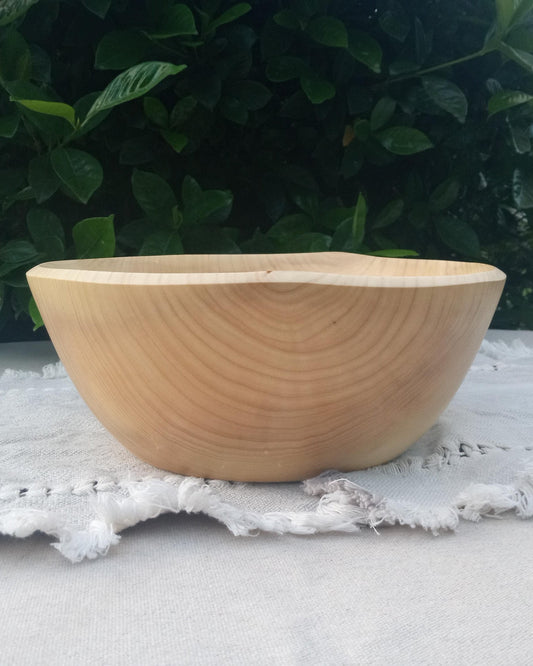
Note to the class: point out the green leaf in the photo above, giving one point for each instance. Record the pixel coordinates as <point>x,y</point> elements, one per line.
<point>447,96</point>
<point>177,217</point>
<point>359,221</point>
<point>458,236</point>
<point>41,66</point>
<point>182,110</point>
<point>162,242</point>
<point>176,140</point>
<point>317,90</point>
<point>133,234</point>
<point>382,113</point>
<point>366,50</point>
<point>361,129</point>
<point>444,195</point>
<point>381,241</point>
<point>15,276</point>
<point>510,13</point>
<point>15,57</point>
<point>521,38</point>
<point>132,83</point>
<point>523,8</point>
<point>98,7</point>
<point>17,253</point>
<point>522,58</point>
<point>176,20</point>
<point>199,205</point>
<point>403,140</point>
<point>35,314</point>
<point>9,125</point>
<point>287,19</point>
<point>25,194</point>
<point>507,99</point>
<point>333,217</point>
<point>231,14</point>
<point>81,107</point>
<point>156,111</point>
<point>520,135</point>
<point>342,239</point>
<point>47,233</point>
<point>393,252</point>
<point>258,244</point>
<point>209,240</point>
<point>284,68</point>
<point>154,195</point>
<point>308,242</point>
<point>94,237</point>
<point>504,14</point>
<point>251,94</point>
<point>12,9</point>
<point>290,226</point>
<point>120,49</point>
<point>394,21</point>
<point>57,109</point>
<point>389,214</point>
<point>80,173</point>
<point>233,109</point>
<point>307,8</point>
<point>523,189</point>
<point>402,66</point>
<point>191,191</point>
<point>328,31</point>
<point>42,225</point>
<point>20,300</point>
<point>305,199</point>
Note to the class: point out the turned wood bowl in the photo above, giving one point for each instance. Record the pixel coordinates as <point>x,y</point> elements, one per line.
<point>266,367</point>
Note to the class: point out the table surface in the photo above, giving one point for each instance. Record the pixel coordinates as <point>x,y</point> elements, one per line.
<point>182,590</point>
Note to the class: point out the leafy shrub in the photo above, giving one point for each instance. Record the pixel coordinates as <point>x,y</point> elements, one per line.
<point>157,127</point>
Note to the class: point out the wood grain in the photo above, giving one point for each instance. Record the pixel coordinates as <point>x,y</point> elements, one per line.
<point>266,367</point>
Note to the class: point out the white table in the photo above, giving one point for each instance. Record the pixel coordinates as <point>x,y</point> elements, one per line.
<point>182,590</point>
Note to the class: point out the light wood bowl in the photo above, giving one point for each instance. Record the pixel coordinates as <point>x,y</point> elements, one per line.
<point>266,367</point>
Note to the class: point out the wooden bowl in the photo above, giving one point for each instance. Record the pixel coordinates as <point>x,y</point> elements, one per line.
<point>266,367</point>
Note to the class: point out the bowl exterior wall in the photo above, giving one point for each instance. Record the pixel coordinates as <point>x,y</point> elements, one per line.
<point>265,381</point>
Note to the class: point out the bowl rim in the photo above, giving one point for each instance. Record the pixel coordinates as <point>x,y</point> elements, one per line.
<point>92,271</point>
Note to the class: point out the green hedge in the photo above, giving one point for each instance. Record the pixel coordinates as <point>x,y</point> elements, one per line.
<point>399,129</point>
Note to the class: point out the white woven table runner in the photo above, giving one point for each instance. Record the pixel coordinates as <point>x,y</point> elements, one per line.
<point>61,472</point>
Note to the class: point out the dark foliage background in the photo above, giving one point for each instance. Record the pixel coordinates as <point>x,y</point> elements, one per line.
<point>296,125</point>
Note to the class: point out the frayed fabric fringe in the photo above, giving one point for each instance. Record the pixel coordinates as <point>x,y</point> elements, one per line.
<point>343,506</point>
<point>502,351</point>
<point>50,371</point>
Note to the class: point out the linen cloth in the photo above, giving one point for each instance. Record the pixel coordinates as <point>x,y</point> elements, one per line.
<point>61,473</point>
